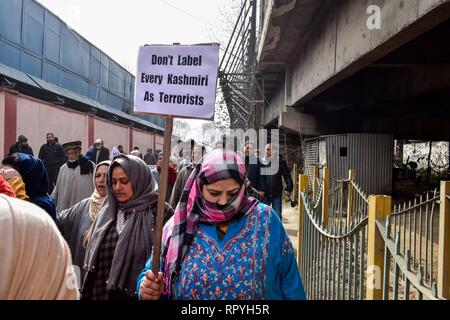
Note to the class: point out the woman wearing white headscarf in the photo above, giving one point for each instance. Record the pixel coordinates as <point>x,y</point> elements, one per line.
<point>35,262</point>
<point>76,221</point>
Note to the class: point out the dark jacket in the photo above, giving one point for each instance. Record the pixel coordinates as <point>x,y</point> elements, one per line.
<point>16,149</point>
<point>253,166</point>
<point>52,155</point>
<point>274,183</point>
<point>150,159</point>
<point>103,156</point>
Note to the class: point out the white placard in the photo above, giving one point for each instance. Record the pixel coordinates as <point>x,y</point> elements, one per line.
<point>177,80</point>
<point>114,152</point>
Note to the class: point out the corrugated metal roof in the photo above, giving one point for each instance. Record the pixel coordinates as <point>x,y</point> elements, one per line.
<point>15,74</point>
<point>41,84</point>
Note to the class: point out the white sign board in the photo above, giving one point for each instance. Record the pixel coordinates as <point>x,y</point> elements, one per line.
<point>178,80</point>
<point>114,152</point>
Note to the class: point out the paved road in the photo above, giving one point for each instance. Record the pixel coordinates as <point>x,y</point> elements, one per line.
<point>290,222</point>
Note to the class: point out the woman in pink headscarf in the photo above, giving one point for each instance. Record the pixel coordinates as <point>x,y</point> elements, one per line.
<point>221,244</point>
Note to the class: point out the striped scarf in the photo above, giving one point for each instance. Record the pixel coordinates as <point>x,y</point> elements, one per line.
<point>179,232</point>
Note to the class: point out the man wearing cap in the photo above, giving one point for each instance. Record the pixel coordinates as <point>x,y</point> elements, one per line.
<point>100,153</point>
<point>75,178</point>
<point>21,146</point>
<point>53,156</point>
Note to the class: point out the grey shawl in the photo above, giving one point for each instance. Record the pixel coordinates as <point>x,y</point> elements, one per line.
<point>76,221</point>
<point>73,224</point>
<point>134,246</point>
<point>71,187</point>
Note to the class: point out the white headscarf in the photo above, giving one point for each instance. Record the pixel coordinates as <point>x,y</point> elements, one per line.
<point>35,261</point>
<point>96,201</point>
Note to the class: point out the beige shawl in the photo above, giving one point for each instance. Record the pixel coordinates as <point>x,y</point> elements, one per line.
<point>35,261</point>
<point>96,201</point>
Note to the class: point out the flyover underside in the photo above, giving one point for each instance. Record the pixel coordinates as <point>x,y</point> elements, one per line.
<point>400,87</point>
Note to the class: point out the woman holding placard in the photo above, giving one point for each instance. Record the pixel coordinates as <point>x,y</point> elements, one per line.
<point>221,244</point>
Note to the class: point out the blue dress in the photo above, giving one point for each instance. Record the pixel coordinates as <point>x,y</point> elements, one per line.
<point>255,260</point>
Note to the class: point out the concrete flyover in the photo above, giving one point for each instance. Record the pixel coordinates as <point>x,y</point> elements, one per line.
<point>327,68</point>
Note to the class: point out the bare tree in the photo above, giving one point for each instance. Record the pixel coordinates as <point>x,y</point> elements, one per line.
<point>180,128</point>
<point>221,33</point>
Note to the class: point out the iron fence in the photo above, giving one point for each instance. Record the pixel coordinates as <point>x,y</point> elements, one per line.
<point>352,246</point>
<point>411,235</point>
<point>334,254</point>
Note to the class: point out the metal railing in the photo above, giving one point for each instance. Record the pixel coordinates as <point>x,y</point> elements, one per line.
<point>352,246</point>
<point>411,235</point>
<point>333,262</point>
<point>359,204</point>
<point>334,246</point>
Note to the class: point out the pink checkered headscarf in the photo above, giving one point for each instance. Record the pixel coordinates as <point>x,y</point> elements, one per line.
<point>179,232</point>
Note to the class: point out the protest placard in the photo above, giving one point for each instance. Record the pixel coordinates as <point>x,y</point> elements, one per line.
<point>177,81</point>
<point>174,81</point>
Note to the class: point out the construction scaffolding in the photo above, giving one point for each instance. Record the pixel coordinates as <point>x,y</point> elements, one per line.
<point>245,89</point>
<point>240,87</point>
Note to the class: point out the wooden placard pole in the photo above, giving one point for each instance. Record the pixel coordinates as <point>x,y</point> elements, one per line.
<point>163,98</point>
<point>162,194</point>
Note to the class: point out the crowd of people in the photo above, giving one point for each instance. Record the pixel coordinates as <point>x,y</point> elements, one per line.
<point>223,236</point>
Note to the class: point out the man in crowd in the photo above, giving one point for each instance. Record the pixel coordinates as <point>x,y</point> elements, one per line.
<point>75,178</point>
<point>185,159</point>
<point>275,169</point>
<point>172,175</point>
<point>253,167</point>
<point>120,148</point>
<point>53,156</point>
<point>150,158</point>
<point>136,152</point>
<point>186,153</point>
<point>100,152</point>
<point>197,154</point>
<point>21,146</point>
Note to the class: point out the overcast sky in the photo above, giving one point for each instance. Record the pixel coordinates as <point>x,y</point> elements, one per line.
<point>119,28</point>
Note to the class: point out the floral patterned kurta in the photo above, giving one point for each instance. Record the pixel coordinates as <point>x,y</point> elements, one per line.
<point>254,260</point>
